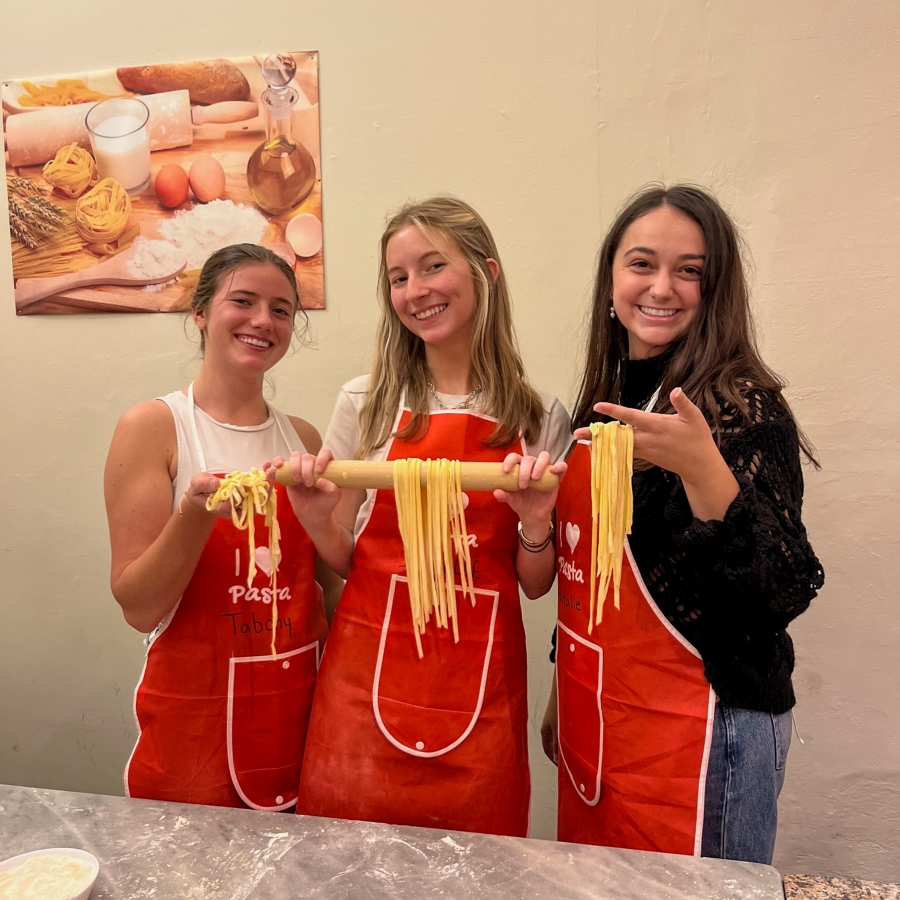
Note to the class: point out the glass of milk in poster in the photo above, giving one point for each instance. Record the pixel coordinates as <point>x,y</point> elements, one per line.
<point>120,141</point>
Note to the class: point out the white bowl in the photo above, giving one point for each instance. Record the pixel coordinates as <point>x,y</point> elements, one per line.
<point>71,852</point>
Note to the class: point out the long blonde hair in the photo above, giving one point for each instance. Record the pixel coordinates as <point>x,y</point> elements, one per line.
<point>400,364</point>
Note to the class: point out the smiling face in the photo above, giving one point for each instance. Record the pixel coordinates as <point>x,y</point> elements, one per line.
<point>250,318</point>
<point>656,274</point>
<point>433,291</point>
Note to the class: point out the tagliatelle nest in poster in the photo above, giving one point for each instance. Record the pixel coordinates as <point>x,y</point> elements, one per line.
<point>244,133</point>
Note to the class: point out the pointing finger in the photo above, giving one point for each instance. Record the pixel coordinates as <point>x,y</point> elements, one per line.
<point>636,417</point>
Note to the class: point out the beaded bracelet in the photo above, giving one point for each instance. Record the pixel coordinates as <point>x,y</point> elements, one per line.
<point>535,546</point>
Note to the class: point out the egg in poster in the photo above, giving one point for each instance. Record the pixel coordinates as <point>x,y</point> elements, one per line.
<point>207,178</point>
<point>171,185</point>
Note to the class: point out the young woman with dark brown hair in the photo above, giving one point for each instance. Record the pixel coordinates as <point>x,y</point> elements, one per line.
<point>674,713</point>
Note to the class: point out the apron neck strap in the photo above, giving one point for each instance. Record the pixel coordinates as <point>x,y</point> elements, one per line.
<point>198,447</point>
<point>652,401</point>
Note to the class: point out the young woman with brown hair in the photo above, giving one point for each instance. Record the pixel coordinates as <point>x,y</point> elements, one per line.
<point>220,720</point>
<point>674,713</point>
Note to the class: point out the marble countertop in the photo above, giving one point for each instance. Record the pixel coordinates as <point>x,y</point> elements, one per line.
<point>173,851</point>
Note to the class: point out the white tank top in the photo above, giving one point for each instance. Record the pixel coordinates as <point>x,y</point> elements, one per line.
<point>207,445</point>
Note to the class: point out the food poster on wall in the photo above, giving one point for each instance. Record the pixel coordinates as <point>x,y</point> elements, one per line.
<point>122,183</point>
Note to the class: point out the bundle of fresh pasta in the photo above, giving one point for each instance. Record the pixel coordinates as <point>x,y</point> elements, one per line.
<point>249,493</point>
<point>433,526</point>
<point>612,451</point>
<point>101,214</point>
<point>72,171</point>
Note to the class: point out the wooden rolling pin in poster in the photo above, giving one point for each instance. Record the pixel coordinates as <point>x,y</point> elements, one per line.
<point>33,138</point>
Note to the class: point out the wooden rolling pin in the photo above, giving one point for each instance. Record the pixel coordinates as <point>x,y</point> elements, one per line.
<point>32,138</point>
<point>364,474</point>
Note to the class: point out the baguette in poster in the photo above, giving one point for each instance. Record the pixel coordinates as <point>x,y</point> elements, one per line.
<point>209,81</point>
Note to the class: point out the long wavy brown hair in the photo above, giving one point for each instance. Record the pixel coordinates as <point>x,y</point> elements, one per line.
<point>497,366</point>
<point>718,356</point>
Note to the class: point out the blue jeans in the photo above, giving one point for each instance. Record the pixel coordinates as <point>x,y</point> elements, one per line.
<point>743,781</point>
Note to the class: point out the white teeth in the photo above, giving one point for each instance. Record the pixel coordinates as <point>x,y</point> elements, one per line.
<point>659,313</point>
<point>254,342</point>
<point>430,313</point>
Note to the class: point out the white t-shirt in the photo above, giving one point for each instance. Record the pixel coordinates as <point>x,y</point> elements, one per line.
<point>342,436</point>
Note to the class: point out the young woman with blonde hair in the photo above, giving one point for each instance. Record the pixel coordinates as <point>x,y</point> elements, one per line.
<point>439,741</point>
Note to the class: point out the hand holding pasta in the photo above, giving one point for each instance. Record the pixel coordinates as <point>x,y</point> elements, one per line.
<point>250,493</point>
<point>681,442</point>
<point>200,488</point>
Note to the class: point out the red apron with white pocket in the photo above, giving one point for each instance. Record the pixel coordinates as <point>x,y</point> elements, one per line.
<point>221,721</point>
<point>635,708</point>
<point>439,741</point>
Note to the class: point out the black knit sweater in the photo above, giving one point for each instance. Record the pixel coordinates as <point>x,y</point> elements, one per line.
<point>731,587</point>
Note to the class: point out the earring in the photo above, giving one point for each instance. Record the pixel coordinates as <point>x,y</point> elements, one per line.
<point>612,312</point>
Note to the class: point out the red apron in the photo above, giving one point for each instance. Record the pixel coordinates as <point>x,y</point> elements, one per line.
<point>635,708</point>
<point>222,722</point>
<point>440,741</point>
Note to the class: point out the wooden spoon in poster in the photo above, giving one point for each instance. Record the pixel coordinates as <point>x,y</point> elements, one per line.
<point>111,271</point>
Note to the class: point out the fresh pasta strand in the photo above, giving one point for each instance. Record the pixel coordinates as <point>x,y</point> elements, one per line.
<point>250,494</point>
<point>612,506</point>
<point>460,535</point>
<point>433,529</point>
<point>409,519</point>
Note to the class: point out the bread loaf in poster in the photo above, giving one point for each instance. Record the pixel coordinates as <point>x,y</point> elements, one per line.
<point>210,81</point>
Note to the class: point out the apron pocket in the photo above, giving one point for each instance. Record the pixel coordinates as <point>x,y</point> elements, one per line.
<point>427,707</point>
<point>269,701</point>
<point>579,678</point>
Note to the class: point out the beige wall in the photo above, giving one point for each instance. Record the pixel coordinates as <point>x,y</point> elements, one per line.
<point>545,115</point>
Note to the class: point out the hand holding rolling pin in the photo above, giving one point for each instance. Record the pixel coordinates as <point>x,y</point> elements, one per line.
<point>533,507</point>
<point>312,498</point>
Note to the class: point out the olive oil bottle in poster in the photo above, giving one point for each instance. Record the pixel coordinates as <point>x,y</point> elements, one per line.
<point>281,173</point>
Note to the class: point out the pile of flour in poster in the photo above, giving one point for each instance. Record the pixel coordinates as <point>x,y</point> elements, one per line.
<point>194,235</point>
